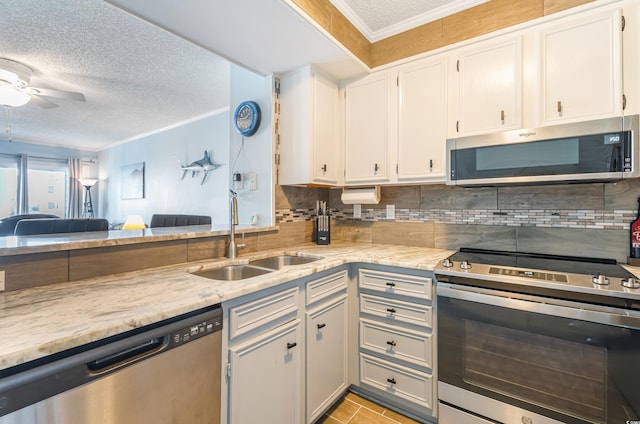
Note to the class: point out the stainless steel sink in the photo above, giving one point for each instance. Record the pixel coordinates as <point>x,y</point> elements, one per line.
<point>277,262</point>
<point>233,272</point>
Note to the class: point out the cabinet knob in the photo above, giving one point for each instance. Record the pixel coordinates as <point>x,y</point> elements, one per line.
<point>376,167</point>
<point>320,326</point>
<point>324,168</point>
<point>291,345</point>
<point>391,343</point>
<point>559,106</point>
<point>391,380</point>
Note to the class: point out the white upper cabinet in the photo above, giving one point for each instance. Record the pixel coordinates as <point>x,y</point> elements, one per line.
<point>422,120</point>
<point>396,124</point>
<point>489,88</point>
<point>310,148</point>
<point>581,68</point>
<point>368,131</point>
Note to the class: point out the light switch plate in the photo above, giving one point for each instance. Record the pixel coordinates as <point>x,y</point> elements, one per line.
<point>357,211</point>
<point>253,181</point>
<point>391,211</point>
<point>1,280</point>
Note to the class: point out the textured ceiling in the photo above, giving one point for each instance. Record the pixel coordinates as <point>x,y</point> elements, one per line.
<point>136,77</point>
<point>378,19</point>
<point>146,65</point>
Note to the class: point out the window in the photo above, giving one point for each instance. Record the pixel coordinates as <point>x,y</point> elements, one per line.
<point>47,183</point>
<point>47,186</point>
<point>8,186</point>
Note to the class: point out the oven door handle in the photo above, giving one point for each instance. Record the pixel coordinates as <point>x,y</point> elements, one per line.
<point>549,306</point>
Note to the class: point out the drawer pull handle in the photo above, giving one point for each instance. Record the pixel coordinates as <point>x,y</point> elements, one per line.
<point>502,116</point>
<point>291,345</point>
<point>391,284</point>
<point>559,107</point>
<point>391,310</point>
<point>324,168</point>
<point>391,380</point>
<point>321,326</point>
<point>391,343</point>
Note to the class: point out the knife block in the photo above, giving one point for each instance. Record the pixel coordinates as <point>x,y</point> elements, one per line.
<point>322,231</point>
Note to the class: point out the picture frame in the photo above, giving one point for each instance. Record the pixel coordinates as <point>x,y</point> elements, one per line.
<point>132,181</point>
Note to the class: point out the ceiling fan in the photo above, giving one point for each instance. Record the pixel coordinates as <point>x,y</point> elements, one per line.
<point>16,91</point>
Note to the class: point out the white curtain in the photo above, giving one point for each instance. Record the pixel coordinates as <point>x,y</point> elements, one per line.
<point>23,188</point>
<point>74,205</point>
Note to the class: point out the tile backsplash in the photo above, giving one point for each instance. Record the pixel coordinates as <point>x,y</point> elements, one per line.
<point>577,219</point>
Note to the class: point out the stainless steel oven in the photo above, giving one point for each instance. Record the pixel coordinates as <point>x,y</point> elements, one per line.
<point>537,340</point>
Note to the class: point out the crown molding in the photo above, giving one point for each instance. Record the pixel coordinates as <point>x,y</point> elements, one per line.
<point>407,24</point>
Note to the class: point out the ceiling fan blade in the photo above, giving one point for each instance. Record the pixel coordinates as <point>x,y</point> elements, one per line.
<point>60,94</point>
<point>43,103</point>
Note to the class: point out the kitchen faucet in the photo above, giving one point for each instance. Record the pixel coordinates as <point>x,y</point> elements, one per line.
<point>232,253</point>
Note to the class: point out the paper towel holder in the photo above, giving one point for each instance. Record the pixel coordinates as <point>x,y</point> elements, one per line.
<point>361,195</point>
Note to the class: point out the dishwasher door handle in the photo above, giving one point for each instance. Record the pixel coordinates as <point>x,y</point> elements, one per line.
<point>128,356</point>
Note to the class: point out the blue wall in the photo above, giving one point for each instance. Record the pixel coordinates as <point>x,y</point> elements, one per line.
<point>165,190</point>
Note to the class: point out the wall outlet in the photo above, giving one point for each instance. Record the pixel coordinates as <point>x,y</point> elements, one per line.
<point>1,280</point>
<point>253,181</point>
<point>391,211</point>
<point>357,211</point>
<point>254,218</point>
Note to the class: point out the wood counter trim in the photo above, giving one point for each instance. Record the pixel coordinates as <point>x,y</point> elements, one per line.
<point>101,261</point>
<point>482,19</point>
<point>35,269</point>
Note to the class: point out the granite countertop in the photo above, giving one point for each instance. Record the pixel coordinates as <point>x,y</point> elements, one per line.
<point>18,245</point>
<point>44,320</point>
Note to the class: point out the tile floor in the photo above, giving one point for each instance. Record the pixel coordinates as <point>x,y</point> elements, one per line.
<point>353,409</point>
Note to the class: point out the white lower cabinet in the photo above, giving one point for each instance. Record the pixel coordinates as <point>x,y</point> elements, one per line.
<point>396,351</point>
<point>326,356</point>
<point>397,380</point>
<point>266,378</point>
<point>286,351</point>
<point>293,350</point>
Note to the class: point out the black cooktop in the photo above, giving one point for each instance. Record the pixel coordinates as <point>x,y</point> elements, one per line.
<point>538,261</point>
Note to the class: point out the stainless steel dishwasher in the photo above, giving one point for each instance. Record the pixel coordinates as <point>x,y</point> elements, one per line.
<point>167,372</point>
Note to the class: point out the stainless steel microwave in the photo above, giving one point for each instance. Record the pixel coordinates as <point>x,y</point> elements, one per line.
<point>599,150</point>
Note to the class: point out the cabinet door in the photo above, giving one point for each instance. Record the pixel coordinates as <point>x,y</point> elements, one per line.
<point>309,143</point>
<point>326,356</point>
<point>367,129</point>
<point>326,151</point>
<point>422,121</point>
<point>490,87</point>
<point>581,69</point>
<point>266,375</point>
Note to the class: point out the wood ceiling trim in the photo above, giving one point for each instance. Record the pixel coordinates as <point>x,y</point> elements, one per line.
<point>410,43</point>
<point>489,17</point>
<point>553,6</point>
<point>336,24</point>
<point>479,20</point>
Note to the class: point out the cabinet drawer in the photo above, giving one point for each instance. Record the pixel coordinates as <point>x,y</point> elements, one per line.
<point>399,343</point>
<point>326,286</point>
<point>387,282</point>
<point>400,381</point>
<point>267,311</point>
<point>396,310</point>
